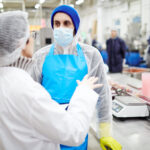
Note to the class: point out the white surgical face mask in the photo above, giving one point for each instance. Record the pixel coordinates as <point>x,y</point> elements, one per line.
<point>63,36</point>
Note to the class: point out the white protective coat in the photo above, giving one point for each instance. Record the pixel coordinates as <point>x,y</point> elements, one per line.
<point>31,120</point>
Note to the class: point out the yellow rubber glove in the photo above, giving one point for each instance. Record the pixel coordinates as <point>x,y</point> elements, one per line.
<point>109,143</point>
<point>106,141</point>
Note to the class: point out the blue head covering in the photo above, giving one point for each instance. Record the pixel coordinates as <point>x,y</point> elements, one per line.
<point>69,11</point>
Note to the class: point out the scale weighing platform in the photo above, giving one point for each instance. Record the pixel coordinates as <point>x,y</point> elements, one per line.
<point>128,106</point>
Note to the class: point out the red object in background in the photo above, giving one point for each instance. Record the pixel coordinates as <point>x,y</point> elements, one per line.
<point>146,84</point>
<point>135,70</point>
<point>43,23</point>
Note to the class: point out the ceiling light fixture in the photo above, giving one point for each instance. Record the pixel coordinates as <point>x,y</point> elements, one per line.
<point>37,6</point>
<point>79,2</point>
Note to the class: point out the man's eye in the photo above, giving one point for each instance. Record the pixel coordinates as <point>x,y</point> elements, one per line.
<point>67,23</point>
<point>56,24</point>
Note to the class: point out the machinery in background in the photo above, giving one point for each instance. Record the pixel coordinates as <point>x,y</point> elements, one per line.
<point>136,43</point>
<point>46,36</point>
<point>43,37</point>
<point>136,37</point>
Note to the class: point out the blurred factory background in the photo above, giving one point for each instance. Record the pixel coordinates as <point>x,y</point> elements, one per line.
<point>131,20</point>
<point>130,17</point>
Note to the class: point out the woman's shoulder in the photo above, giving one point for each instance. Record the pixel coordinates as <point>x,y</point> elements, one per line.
<point>15,77</point>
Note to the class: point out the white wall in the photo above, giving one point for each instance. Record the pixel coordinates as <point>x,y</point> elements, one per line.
<point>146,16</point>
<point>87,17</point>
<point>106,16</point>
<point>37,21</point>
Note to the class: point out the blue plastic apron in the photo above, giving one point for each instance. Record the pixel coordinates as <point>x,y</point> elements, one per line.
<point>60,73</point>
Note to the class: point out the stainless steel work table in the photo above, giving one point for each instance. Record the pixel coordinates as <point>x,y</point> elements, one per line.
<point>133,133</point>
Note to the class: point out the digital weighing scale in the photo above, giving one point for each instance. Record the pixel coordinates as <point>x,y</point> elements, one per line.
<point>128,106</point>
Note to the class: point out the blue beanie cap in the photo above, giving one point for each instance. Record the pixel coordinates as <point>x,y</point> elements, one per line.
<point>69,11</point>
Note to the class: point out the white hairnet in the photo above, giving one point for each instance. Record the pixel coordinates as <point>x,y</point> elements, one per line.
<point>114,28</point>
<point>14,33</point>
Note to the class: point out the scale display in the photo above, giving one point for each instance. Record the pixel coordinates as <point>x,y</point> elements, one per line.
<point>116,107</point>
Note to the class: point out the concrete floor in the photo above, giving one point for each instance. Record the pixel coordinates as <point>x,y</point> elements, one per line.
<point>133,134</point>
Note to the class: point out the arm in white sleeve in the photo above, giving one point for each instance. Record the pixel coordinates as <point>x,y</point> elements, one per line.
<point>70,127</point>
<point>96,68</point>
<point>104,104</point>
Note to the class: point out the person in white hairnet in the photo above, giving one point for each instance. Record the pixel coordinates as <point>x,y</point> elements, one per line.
<point>59,65</point>
<point>29,118</point>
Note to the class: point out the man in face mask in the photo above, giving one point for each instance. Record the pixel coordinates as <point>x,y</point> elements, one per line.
<point>63,29</point>
<point>59,65</point>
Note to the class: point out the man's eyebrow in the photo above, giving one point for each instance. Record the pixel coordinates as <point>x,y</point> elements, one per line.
<point>68,20</point>
<point>64,20</point>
